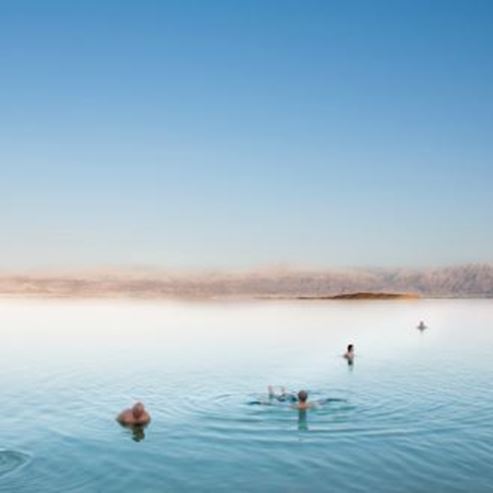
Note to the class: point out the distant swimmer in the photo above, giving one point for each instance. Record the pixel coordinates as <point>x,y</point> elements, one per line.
<point>421,326</point>
<point>349,354</point>
<point>136,415</point>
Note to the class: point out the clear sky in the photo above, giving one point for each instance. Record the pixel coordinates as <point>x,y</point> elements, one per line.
<point>236,134</point>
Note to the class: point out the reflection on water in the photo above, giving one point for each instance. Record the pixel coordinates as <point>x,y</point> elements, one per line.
<point>302,420</point>
<point>415,416</point>
<point>137,431</point>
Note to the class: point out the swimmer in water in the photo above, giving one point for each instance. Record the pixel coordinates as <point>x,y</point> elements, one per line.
<point>299,401</point>
<point>349,354</point>
<point>281,396</point>
<point>135,416</point>
<point>303,404</point>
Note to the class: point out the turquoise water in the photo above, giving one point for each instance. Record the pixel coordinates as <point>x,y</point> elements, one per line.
<point>416,415</point>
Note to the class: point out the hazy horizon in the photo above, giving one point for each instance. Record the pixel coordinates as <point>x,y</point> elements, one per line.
<point>467,281</point>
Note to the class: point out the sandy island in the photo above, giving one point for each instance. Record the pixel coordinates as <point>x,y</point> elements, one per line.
<point>364,296</point>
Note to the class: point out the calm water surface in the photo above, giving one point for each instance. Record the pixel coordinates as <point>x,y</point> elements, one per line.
<point>417,415</point>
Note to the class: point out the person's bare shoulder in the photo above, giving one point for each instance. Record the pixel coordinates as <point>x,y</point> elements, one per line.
<point>125,417</point>
<point>304,407</point>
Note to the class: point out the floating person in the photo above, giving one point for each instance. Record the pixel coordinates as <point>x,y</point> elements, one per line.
<point>281,396</point>
<point>134,416</point>
<point>297,401</point>
<point>421,326</point>
<point>349,354</point>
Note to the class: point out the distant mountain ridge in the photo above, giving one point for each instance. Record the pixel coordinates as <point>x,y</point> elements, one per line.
<point>474,280</point>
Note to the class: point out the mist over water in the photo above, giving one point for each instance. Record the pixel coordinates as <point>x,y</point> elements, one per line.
<point>415,410</point>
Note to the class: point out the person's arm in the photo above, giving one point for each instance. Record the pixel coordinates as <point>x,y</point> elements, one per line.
<point>126,417</point>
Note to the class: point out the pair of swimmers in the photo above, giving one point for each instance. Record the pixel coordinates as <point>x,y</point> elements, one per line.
<point>299,401</point>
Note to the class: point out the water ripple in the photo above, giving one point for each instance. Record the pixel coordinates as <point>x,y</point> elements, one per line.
<point>412,418</point>
<point>11,460</point>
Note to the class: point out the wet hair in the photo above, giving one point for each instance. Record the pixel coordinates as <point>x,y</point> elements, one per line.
<point>302,395</point>
<point>350,347</point>
<point>138,410</point>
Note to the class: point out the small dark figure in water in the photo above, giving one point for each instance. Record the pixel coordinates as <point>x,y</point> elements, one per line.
<point>135,416</point>
<point>421,325</point>
<point>349,354</point>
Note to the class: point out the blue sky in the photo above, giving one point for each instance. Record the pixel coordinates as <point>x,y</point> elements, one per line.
<point>231,134</point>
